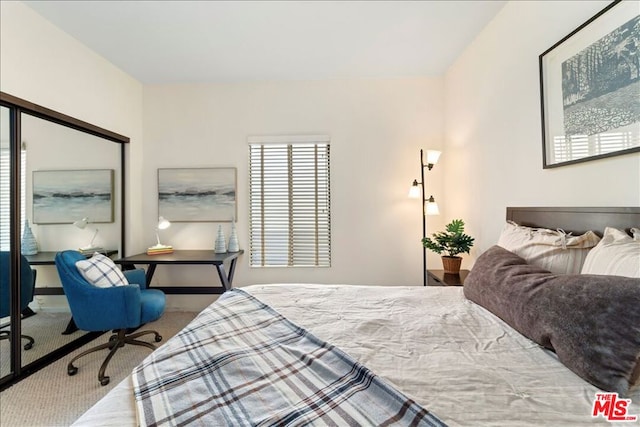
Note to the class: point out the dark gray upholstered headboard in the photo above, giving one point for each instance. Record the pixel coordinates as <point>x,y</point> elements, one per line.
<point>577,220</point>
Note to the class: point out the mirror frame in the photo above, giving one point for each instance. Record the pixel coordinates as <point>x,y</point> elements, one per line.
<point>17,107</point>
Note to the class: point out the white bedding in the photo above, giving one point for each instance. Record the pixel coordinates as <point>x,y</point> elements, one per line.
<point>449,354</point>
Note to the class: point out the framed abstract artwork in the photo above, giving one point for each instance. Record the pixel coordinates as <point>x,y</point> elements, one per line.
<point>590,89</point>
<point>197,194</point>
<point>65,196</point>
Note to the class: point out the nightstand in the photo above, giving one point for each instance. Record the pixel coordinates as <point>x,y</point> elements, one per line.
<point>440,278</point>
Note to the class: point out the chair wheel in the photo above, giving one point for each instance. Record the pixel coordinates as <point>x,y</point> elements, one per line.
<point>28,346</point>
<point>158,338</point>
<point>104,381</point>
<point>72,370</point>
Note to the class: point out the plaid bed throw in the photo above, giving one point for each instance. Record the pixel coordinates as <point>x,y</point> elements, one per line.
<point>240,363</point>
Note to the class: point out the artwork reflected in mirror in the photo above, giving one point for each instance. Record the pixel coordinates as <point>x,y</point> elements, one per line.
<point>63,196</point>
<point>70,176</point>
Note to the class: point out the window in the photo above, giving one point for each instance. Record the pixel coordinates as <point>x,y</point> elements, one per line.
<point>5,173</point>
<point>289,201</point>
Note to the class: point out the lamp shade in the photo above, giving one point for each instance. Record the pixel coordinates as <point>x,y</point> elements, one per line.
<point>81,223</point>
<point>163,223</point>
<point>433,156</point>
<point>414,190</point>
<point>431,207</point>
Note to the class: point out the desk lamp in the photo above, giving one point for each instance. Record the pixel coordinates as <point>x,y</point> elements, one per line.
<point>163,224</point>
<point>82,224</point>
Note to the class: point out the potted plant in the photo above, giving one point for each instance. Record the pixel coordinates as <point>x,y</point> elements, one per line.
<point>449,244</point>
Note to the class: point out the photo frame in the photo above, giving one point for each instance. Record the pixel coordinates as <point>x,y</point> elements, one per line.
<point>197,194</point>
<point>66,196</point>
<point>590,89</point>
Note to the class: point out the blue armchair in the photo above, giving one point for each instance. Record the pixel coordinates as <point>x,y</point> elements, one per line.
<point>120,308</point>
<point>27,283</point>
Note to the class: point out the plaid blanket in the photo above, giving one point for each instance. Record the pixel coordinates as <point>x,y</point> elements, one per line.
<point>241,363</point>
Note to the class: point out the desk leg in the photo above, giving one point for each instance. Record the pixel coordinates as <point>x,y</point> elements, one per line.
<point>232,269</point>
<point>149,275</point>
<point>226,280</point>
<point>71,327</point>
<point>151,268</point>
<point>223,277</point>
<point>27,312</point>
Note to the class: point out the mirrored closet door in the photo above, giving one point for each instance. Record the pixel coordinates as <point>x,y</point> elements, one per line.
<point>68,181</point>
<point>6,217</point>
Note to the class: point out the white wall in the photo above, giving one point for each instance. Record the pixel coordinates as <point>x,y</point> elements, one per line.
<point>44,65</point>
<point>377,128</point>
<point>493,129</point>
<point>491,154</point>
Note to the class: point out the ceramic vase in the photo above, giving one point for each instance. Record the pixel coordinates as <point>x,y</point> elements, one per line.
<point>29,245</point>
<point>234,246</point>
<point>220,246</point>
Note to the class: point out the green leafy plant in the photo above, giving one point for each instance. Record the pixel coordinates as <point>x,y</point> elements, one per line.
<point>451,242</point>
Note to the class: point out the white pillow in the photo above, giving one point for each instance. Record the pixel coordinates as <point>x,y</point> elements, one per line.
<point>101,271</point>
<point>553,250</point>
<point>617,254</point>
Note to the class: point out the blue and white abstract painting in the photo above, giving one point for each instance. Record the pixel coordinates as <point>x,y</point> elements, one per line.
<point>197,194</point>
<point>65,196</point>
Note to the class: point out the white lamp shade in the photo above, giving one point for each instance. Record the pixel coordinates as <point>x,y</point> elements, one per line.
<point>432,208</point>
<point>433,156</point>
<point>163,223</point>
<point>414,192</point>
<point>81,223</point>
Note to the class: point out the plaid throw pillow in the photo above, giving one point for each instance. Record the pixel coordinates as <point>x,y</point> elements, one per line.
<point>101,271</point>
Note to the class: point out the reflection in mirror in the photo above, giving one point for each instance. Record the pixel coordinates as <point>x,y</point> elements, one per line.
<point>70,175</point>
<point>5,216</point>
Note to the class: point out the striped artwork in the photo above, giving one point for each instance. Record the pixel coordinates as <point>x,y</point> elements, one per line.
<point>241,363</point>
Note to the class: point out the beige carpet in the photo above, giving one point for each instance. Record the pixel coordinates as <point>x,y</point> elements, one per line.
<point>46,330</point>
<point>52,398</point>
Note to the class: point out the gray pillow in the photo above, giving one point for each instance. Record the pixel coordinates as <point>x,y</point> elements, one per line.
<point>592,322</point>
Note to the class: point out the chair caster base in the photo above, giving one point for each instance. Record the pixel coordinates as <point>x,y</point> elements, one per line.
<point>113,344</point>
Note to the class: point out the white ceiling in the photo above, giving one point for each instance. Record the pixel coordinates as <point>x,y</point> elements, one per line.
<point>233,41</point>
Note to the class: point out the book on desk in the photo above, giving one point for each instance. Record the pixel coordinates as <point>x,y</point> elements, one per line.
<point>92,250</point>
<point>159,250</point>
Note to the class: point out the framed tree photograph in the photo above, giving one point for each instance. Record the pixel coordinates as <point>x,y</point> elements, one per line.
<point>65,196</point>
<point>590,89</point>
<point>197,194</point>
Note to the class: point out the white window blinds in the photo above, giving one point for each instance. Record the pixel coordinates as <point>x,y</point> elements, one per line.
<point>290,200</point>
<point>5,188</point>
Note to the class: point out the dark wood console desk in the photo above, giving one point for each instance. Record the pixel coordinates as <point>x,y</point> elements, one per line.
<point>187,257</point>
<point>48,258</point>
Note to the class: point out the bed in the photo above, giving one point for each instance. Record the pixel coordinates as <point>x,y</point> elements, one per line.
<point>433,345</point>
